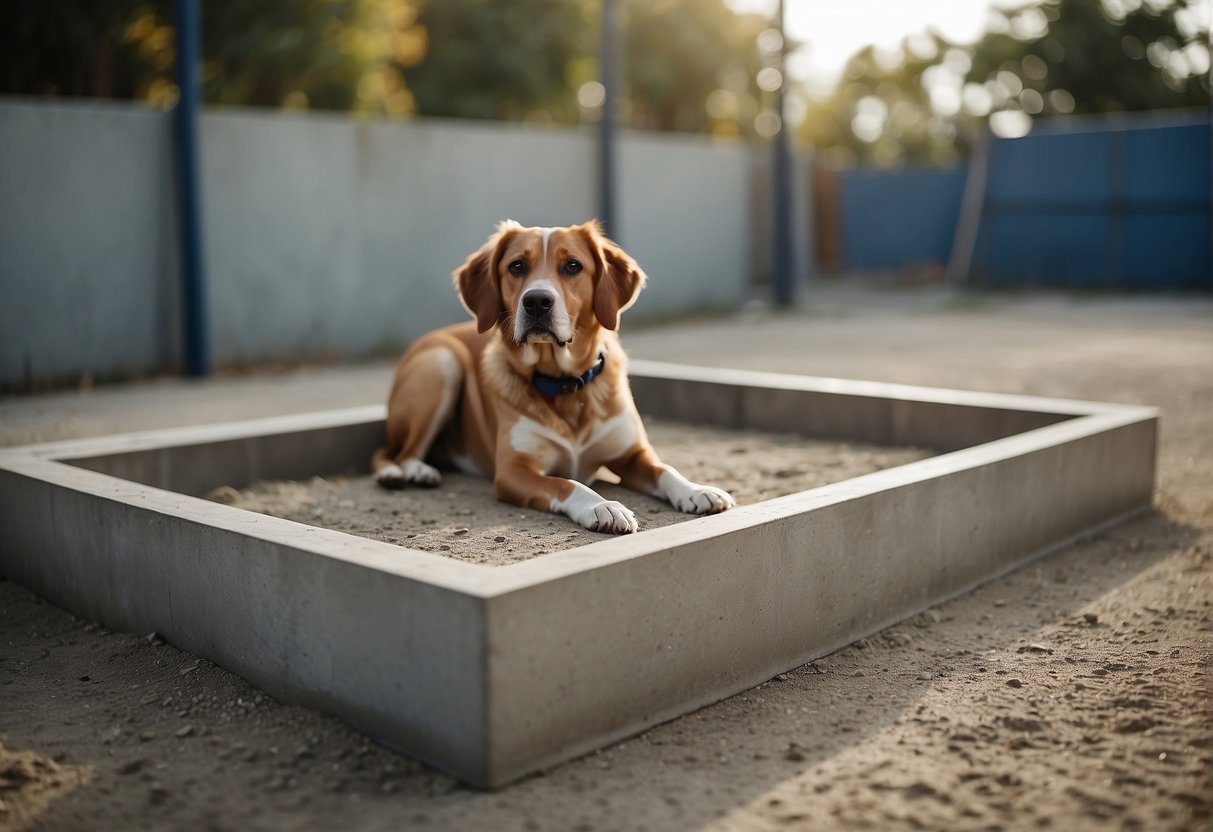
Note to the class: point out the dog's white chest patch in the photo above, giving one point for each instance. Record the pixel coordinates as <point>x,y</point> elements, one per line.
<point>577,458</point>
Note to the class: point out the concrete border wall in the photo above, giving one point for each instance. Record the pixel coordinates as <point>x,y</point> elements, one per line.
<point>326,235</point>
<point>495,672</point>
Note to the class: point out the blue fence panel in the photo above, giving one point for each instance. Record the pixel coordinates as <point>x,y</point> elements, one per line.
<point>892,219</point>
<point>1123,205</point>
<point>1168,164</point>
<point>1065,169</point>
<point>1167,251</point>
<point>1047,248</point>
<point>1119,202</point>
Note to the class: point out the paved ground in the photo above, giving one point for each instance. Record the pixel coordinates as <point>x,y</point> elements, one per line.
<point>950,721</point>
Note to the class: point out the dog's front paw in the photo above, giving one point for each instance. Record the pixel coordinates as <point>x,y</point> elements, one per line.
<point>702,499</point>
<point>410,472</point>
<point>609,517</point>
<point>584,505</point>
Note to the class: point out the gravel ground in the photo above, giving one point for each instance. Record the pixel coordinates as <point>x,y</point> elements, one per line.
<point>1071,694</point>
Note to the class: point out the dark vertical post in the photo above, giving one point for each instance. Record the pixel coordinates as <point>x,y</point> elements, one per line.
<point>193,271</point>
<point>1114,248</point>
<point>609,69</point>
<point>783,280</point>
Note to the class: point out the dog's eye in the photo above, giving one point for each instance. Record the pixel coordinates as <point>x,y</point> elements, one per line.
<point>517,268</point>
<point>572,267</point>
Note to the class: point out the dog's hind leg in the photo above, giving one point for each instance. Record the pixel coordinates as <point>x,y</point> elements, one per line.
<point>423,399</point>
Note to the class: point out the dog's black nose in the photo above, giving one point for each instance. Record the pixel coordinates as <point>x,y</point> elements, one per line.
<point>537,302</point>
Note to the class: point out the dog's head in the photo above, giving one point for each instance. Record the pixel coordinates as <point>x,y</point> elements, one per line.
<point>548,284</point>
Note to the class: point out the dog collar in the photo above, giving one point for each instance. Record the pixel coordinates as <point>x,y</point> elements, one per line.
<point>552,386</point>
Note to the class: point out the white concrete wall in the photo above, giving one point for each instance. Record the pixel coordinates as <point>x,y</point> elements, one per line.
<point>325,235</point>
<point>87,245</point>
<point>684,205</point>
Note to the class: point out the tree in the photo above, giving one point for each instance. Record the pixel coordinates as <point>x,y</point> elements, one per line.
<point>1056,57</point>
<point>691,66</point>
<point>489,59</point>
<point>881,111</point>
<point>1085,56</point>
<point>528,59</point>
<point>66,47</point>
<point>333,54</point>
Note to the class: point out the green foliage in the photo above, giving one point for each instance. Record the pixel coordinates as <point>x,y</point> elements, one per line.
<point>690,65</point>
<point>328,54</point>
<point>503,60</point>
<point>680,52</point>
<point>525,59</point>
<point>1048,58</point>
<point>335,54</point>
<point>881,112</point>
<point>69,48</point>
<point>1098,58</point>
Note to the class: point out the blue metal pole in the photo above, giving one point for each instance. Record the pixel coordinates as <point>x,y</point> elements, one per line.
<point>608,68</point>
<point>193,268</point>
<point>783,280</point>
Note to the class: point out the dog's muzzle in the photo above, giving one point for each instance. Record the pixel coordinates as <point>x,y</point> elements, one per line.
<point>537,306</point>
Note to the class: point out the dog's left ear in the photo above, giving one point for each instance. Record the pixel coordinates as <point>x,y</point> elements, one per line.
<point>476,279</point>
<point>620,279</point>
<point>477,288</point>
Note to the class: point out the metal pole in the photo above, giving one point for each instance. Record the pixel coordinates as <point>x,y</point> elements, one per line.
<point>193,270</point>
<point>972,206</point>
<point>609,63</point>
<point>783,280</point>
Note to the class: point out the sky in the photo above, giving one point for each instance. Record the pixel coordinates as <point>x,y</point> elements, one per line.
<point>834,30</point>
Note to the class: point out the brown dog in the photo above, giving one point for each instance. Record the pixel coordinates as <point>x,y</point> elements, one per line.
<point>534,393</point>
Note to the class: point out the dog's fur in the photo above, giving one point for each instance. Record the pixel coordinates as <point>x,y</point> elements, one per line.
<point>546,300</point>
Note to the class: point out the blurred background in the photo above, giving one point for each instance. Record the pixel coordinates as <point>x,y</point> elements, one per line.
<point>343,156</point>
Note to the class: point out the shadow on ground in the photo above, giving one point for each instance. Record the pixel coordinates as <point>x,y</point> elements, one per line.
<point>983,691</point>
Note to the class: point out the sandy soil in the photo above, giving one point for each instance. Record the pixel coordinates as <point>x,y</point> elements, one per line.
<point>461,519</point>
<point>1072,694</point>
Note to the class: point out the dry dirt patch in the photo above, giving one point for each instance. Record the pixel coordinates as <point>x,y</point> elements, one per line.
<point>461,519</point>
<point>922,726</point>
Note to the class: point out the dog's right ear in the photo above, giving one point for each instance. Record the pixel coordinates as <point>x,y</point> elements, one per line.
<point>476,280</point>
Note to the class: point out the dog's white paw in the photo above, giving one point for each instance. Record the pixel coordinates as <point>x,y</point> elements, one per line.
<point>691,497</point>
<point>703,499</point>
<point>610,517</point>
<point>409,472</point>
<point>584,505</point>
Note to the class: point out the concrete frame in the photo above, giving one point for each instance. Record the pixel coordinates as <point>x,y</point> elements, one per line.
<point>495,672</point>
